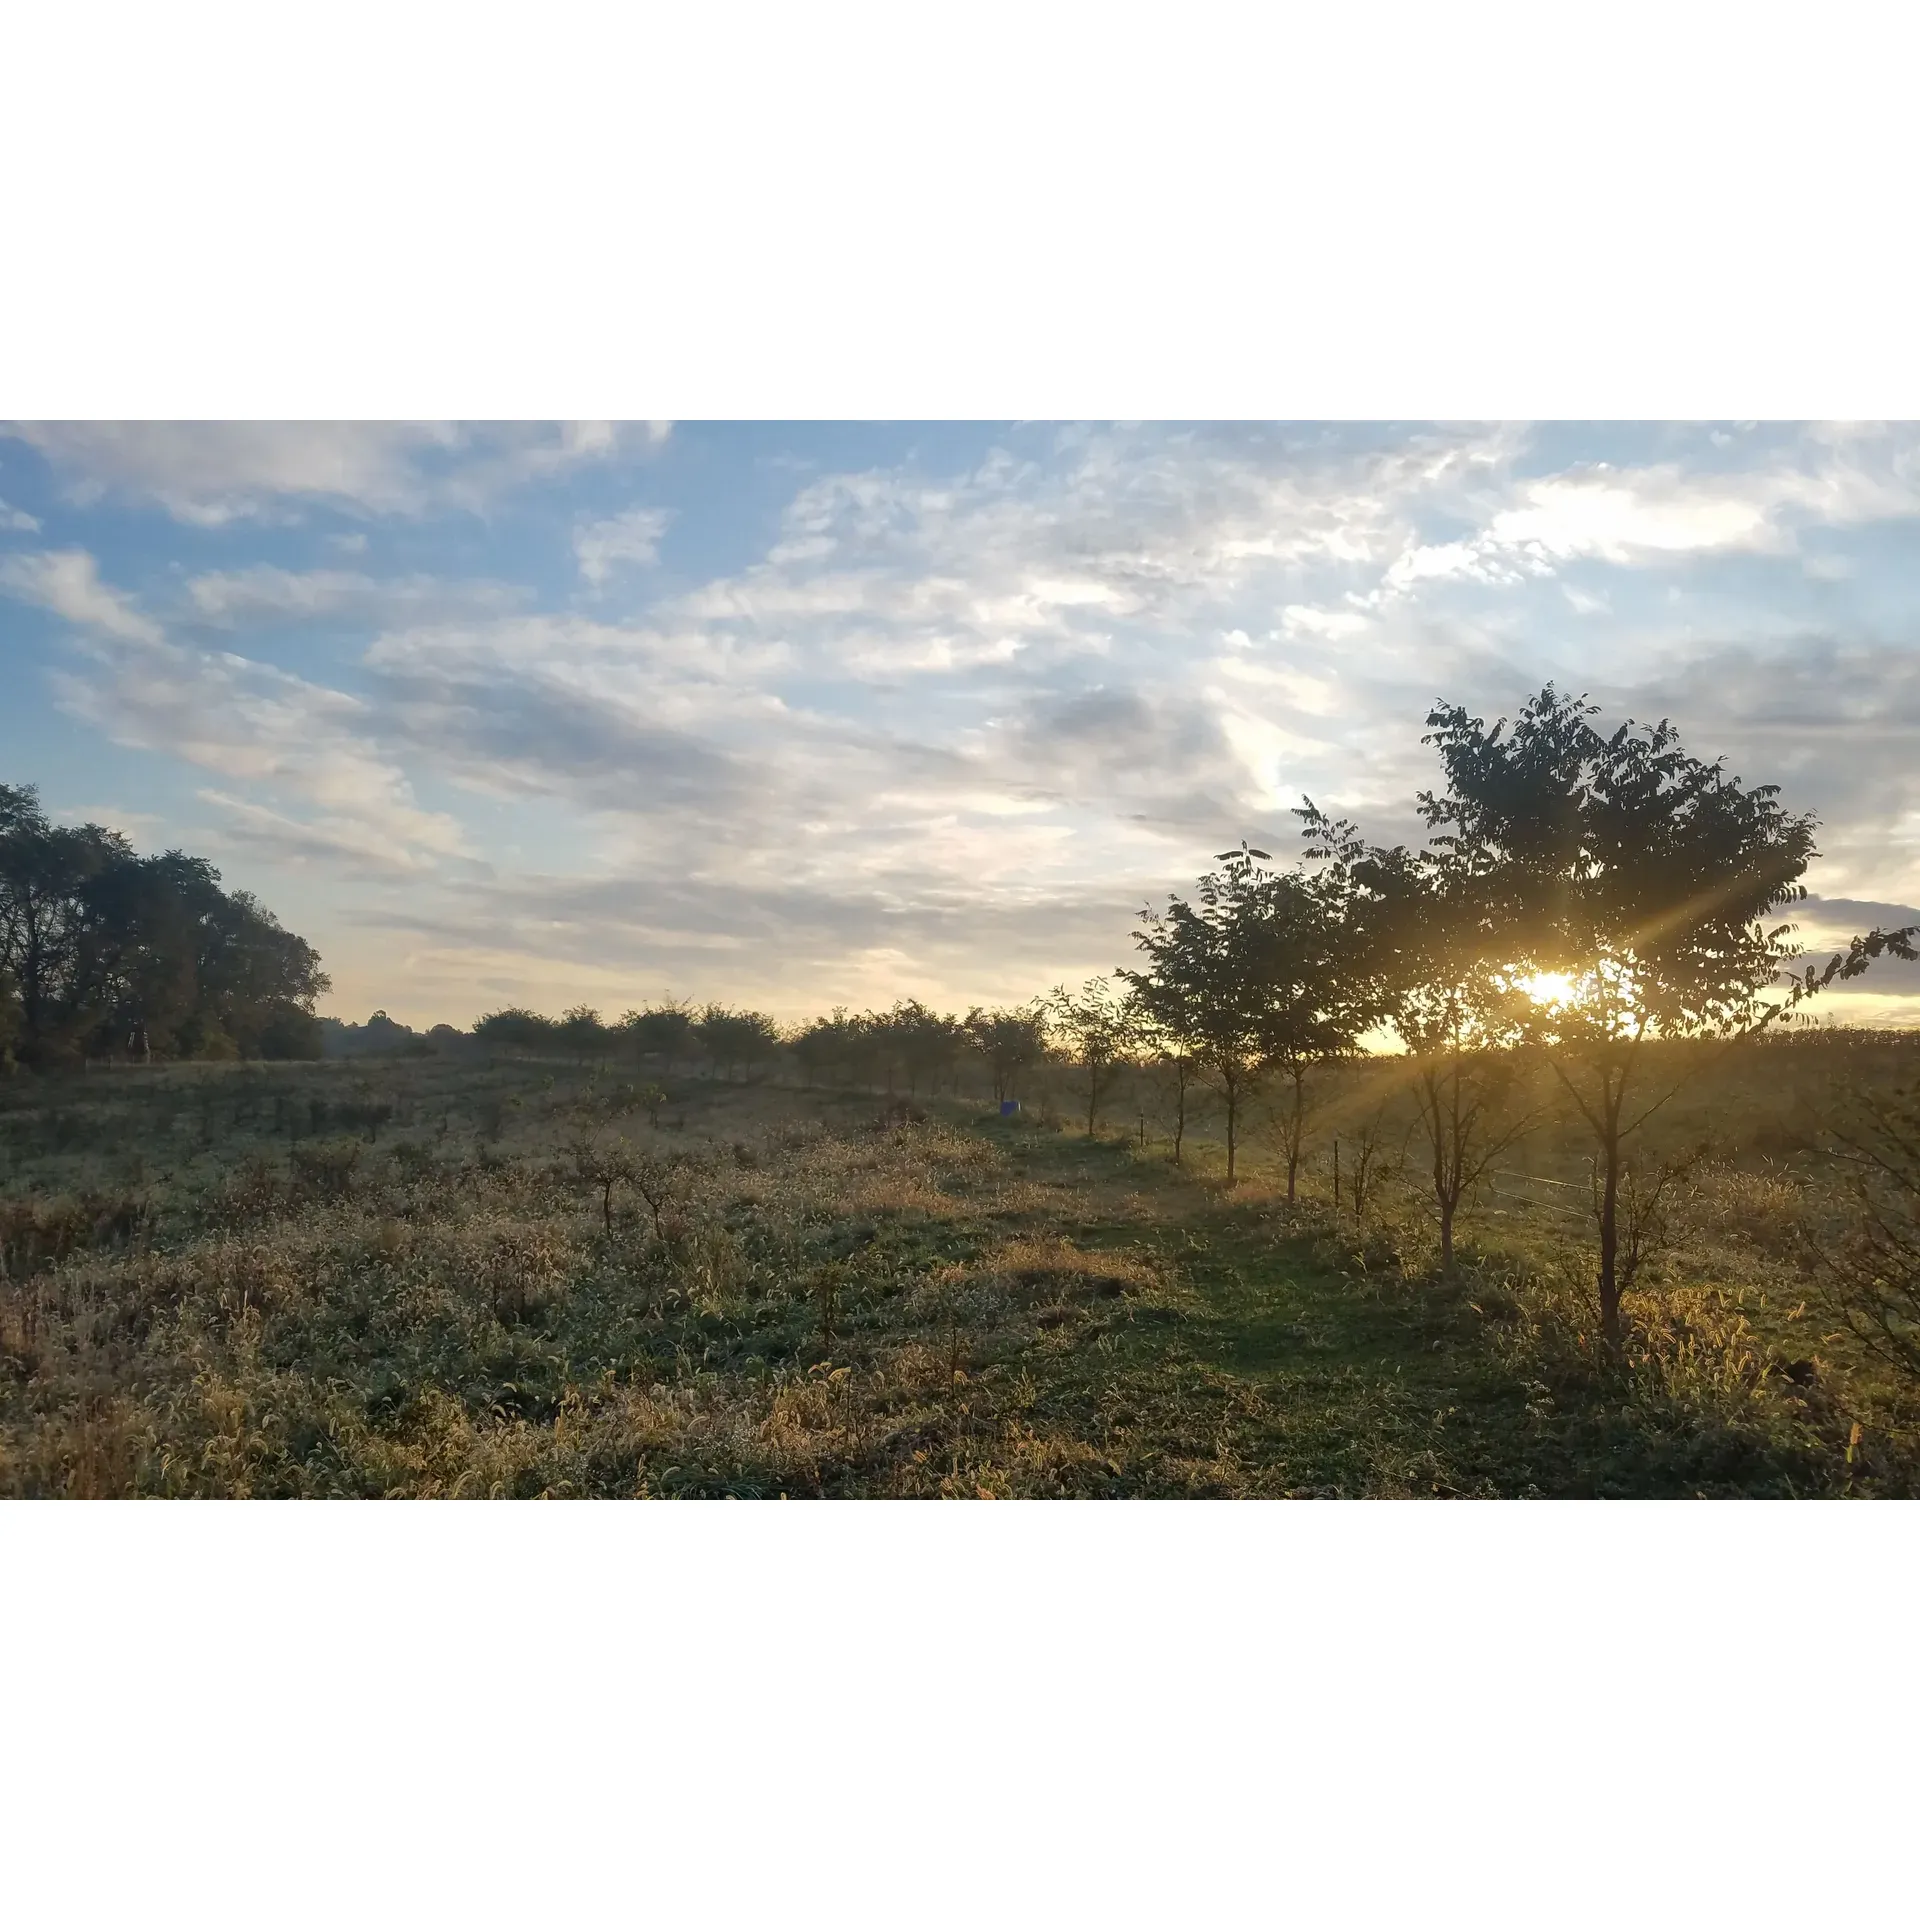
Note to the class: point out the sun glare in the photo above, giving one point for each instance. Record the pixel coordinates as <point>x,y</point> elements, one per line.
<point>1548,989</point>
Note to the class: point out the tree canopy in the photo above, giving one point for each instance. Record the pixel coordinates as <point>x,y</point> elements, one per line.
<point>103,951</point>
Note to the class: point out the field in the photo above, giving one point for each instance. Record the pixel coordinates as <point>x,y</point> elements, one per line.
<point>457,1275</point>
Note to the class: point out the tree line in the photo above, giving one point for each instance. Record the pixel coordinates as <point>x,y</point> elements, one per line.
<point>909,1049</point>
<point>106,953</point>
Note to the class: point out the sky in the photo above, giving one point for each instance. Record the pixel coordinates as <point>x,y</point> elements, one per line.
<point>799,716</point>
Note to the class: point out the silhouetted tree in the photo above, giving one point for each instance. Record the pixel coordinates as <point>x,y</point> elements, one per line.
<point>737,1039</point>
<point>583,1033</point>
<point>1010,1041</point>
<point>664,1033</point>
<point>517,1027</point>
<point>103,946</point>
<point>1250,978</point>
<point>1096,1030</point>
<point>1643,877</point>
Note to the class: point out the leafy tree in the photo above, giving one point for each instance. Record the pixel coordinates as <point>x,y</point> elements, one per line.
<point>1010,1041</point>
<point>517,1027</point>
<point>583,1033</point>
<point>737,1038</point>
<point>1250,978</point>
<point>830,1050</point>
<point>1419,960</point>
<point>924,1044</point>
<point>1097,1028</point>
<point>1171,1054</point>
<point>664,1032</point>
<point>1641,878</point>
<point>108,950</point>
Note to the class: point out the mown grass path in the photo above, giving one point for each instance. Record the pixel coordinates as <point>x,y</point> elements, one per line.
<point>1279,1365</point>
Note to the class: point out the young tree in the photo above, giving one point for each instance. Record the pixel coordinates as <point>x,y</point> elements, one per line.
<point>664,1032</point>
<point>1010,1042</point>
<point>583,1033</point>
<point>1176,1064</point>
<point>1252,978</point>
<point>1098,1032</point>
<point>737,1040</point>
<point>925,1044</point>
<point>1636,882</point>
<point>1419,954</point>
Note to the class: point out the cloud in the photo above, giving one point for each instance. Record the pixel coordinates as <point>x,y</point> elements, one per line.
<point>357,845</point>
<point>15,520</point>
<point>1665,512</point>
<point>211,474</point>
<point>68,583</point>
<point>627,539</point>
<point>263,594</point>
<point>247,721</point>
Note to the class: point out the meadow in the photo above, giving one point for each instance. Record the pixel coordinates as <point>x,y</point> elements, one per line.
<point>475,1273</point>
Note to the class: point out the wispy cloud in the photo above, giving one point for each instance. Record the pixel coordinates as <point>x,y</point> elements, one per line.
<point>629,539</point>
<point>215,473</point>
<point>68,583</point>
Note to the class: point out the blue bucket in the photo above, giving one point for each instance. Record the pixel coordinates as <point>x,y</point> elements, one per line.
<point>1008,1108</point>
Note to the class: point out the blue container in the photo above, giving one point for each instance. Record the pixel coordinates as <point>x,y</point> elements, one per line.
<point>1008,1108</point>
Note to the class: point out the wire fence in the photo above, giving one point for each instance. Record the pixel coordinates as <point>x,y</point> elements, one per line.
<point>1540,1200</point>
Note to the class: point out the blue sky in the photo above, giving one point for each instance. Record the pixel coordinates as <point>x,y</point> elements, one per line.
<point>806,715</point>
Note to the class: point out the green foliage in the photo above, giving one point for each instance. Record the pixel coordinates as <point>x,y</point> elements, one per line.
<point>515,1027</point>
<point>1011,1042</point>
<point>1098,1032</point>
<point>739,1041</point>
<point>104,953</point>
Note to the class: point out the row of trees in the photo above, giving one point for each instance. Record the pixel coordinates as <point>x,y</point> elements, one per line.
<point>1582,900</point>
<point>908,1049</point>
<point>1593,911</point>
<point>106,953</point>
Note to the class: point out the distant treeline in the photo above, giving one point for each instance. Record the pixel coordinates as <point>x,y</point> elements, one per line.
<point>106,954</point>
<point>909,1049</point>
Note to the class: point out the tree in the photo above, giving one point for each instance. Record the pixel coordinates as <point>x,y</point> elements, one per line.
<point>926,1045</point>
<point>109,951</point>
<point>664,1033</point>
<point>1176,1061</point>
<point>1635,882</point>
<point>518,1027</point>
<point>1420,960</point>
<point>1252,978</point>
<point>1098,1031</point>
<point>1010,1041</point>
<point>830,1049</point>
<point>583,1033</point>
<point>737,1038</point>
<point>9,1018</point>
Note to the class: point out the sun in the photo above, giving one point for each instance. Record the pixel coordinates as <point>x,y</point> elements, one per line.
<point>1548,989</point>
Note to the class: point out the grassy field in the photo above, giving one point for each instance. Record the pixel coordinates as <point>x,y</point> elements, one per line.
<point>457,1277</point>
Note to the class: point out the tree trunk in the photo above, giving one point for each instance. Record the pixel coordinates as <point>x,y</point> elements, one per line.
<point>1233,1114</point>
<point>1179,1117</point>
<point>1610,1246</point>
<point>1446,1238</point>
